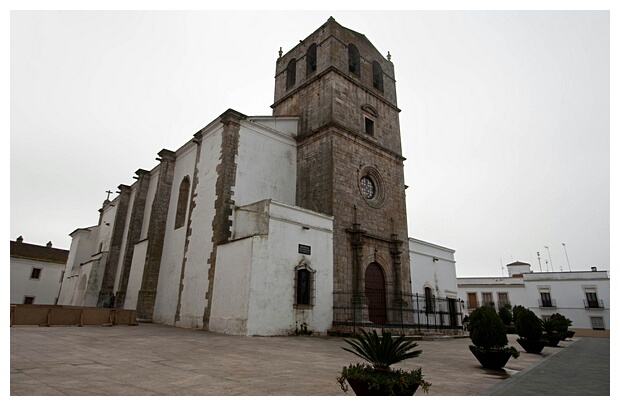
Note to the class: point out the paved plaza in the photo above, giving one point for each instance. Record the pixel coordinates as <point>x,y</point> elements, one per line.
<point>151,359</point>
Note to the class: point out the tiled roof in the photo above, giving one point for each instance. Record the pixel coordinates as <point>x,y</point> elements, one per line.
<point>38,252</point>
<point>517,263</point>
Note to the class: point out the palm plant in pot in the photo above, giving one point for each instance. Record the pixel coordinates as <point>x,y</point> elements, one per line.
<point>489,339</point>
<point>529,329</point>
<point>376,377</point>
<point>562,324</point>
<point>551,334</point>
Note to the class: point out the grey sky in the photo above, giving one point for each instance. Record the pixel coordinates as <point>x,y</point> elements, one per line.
<point>505,116</point>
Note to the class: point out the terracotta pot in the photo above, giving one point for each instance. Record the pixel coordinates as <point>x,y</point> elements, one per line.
<point>491,359</point>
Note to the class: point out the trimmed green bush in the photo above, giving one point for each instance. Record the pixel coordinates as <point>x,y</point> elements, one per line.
<point>515,312</point>
<point>528,325</point>
<point>560,323</point>
<point>486,329</point>
<point>505,313</point>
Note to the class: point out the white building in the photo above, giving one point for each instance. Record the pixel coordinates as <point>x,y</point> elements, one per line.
<point>581,296</point>
<point>36,272</point>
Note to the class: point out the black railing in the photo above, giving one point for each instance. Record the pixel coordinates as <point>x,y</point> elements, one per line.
<point>408,313</point>
<point>546,303</point>
<point>593,304</point>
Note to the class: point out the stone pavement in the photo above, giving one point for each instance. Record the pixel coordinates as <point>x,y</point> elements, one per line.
<point>582,369</point>
<point>152,359</point>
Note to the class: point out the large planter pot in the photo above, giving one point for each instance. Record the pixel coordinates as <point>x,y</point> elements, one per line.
<point>491,359</point>
<point>367,381</point>
<point>552,340</point>
<point>361,388</point>
<point>568,334</point>
<point>531,346</point>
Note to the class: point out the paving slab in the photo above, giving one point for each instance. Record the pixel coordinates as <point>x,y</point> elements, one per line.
<point>152,359</point>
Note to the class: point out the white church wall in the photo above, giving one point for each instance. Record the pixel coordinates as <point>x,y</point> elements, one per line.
<point>251,219</point>
<point>273,292</point>
<point>174,241</point>
<point>83,246</point>
<point>229,310</point>
<point>106,227</point>
<point>267,282</point>
<point>123,247</point>
<point>432,266</point>
<point>135,275</point>
<point>45,289</point>
<point>83,279</point>
<point>150,196</point>
<point>95,279</point>
<point>284,125</point>
<point>196,276</point>
<point>266,165</point>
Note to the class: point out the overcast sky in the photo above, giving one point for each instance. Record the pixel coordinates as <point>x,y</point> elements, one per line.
<point>505,117</point>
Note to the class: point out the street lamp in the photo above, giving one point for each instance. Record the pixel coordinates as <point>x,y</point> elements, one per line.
<point>549,252</point>
<point>539,266</point>
<point>569,269</point>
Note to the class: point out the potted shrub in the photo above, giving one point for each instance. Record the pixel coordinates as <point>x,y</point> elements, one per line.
<point>505,313</point>
<point>529,329</point>
<point>376,377</point>
<point>562,324</point>
<point>515,312</point>
<point>489,338</point>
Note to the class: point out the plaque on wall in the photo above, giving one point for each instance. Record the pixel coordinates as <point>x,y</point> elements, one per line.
<point>304,249</point>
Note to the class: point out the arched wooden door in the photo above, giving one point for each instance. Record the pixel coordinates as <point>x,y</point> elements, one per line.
<point>375,293</point>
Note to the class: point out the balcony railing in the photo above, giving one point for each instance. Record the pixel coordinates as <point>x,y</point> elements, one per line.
<point>546,303</point>
<point>593,304</point>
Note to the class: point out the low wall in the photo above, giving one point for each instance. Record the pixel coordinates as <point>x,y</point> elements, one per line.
<point>55,315</point>
<point>585,332</point>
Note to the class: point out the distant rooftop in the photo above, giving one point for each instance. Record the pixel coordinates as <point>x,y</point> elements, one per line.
<point>20,249</point>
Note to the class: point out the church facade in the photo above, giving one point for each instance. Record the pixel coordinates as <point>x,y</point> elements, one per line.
<point>260,225</point>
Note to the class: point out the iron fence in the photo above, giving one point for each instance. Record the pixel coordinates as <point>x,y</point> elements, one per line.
<point>407,314</point>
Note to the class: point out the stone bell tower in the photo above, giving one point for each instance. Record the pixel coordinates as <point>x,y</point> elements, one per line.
<point>350,165</point>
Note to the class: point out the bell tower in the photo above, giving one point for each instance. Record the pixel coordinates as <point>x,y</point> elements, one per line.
<point>350,165</point>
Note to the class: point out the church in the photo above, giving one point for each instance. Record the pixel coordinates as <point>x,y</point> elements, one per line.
<point>263,225</point>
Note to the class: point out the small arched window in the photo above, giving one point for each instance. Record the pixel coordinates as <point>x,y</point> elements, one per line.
<point>377,76</point>
<point>354,60</point>
<point>182,203</point>
<point>304,286</point>
<point>311,59</point>
<point>291,71</point>
<point>429,300</point>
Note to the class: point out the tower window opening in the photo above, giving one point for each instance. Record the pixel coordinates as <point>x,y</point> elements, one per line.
<point>354,60</point>
<point>369,126</point>
<point>291,71</point>
<point>377,76</point>
<point>311,59</point>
